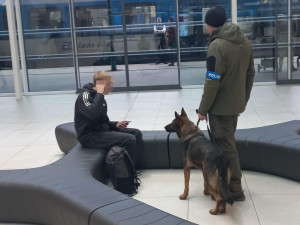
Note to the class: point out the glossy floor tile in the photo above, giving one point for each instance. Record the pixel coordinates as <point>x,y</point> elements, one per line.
<point>27,140</point>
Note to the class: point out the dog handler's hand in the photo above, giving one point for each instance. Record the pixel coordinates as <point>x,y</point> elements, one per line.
<point>201,117</point>
<point>122,124</point>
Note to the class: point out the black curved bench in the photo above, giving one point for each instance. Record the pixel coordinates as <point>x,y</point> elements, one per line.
<point>70,191</point>
<point>273,149</point>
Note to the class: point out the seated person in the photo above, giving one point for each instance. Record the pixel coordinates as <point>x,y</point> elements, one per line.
<point>93,127</point>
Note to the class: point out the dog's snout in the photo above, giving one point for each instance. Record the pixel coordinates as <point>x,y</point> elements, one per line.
<point>166,127</point>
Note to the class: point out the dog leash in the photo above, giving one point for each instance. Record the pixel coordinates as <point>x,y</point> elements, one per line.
<point>168,146</point>
<point>209,133</point>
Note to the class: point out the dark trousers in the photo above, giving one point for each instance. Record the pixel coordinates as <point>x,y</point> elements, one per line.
<point>130,139</point>
<point>223,129</point>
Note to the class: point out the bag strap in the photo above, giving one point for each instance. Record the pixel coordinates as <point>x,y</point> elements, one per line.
<point>136,179</point>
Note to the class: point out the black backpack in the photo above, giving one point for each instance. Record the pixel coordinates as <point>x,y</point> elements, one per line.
<point>121,171</point>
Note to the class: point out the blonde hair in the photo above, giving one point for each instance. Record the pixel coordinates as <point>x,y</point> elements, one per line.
<point>102,75</point>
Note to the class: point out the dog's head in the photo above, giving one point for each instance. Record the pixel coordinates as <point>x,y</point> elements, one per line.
<point>178,122</point>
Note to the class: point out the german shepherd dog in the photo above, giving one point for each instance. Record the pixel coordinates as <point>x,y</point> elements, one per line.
<point>201,153</point>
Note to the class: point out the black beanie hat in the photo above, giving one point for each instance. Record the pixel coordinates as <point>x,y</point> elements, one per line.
<point>215,17</point>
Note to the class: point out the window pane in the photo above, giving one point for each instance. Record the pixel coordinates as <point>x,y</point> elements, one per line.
<point>102,63</point>
<point>257,21</point>
<point>142,13</point>
<point>194,38</point>
<point>86,16</point>
<point>295,32</point>
<point>99,39</point>
<point>48,45</point>
<point>151,42</point>
<point>6,77</point>
<point>45,18</point>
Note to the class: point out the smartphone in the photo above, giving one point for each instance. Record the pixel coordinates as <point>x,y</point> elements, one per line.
<point>126,122</point>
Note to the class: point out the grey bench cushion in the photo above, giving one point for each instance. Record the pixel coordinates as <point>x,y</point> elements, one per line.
<point>271,149</point>
<point>68,193</point>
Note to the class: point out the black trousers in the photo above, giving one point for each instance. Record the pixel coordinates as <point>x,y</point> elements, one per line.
<point>223,129</point>
<point>130,139</point>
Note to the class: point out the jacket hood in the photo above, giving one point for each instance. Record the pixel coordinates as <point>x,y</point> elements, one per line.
<point>230,32</point>
<point>88,87</point>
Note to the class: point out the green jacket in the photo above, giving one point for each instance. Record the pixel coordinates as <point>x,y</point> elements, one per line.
<point>230,72</point>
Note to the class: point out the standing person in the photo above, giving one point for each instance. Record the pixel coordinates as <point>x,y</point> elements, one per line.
<point>93,127</point>
<point>171,31</point>
<point>229,80</point>
<point>160,39</point>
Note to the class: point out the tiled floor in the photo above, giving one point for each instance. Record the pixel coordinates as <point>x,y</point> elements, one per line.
<point>27,140</point>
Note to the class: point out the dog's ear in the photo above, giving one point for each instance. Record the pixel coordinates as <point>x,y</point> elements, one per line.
<point>183,113</point>
<point>176,115</point>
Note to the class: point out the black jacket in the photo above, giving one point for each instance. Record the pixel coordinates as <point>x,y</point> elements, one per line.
<point>91,114</point>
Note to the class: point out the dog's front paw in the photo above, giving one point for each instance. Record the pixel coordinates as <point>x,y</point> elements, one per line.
<point>222,209</point>
<point>183,196</point>
<point>213,212</point>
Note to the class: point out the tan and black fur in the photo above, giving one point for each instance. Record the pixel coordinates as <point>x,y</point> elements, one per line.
<point>201,153</point>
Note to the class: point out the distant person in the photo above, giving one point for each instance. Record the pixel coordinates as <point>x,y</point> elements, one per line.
<point>228,84</point>
<point>171,33</point>
<point>93,127</point>
<point>160,39</point>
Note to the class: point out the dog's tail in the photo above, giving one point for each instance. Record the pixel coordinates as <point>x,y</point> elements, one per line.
<point>223,178</point>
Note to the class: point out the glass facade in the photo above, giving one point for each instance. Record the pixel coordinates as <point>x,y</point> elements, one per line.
<point>273,28</point>
<point>151,42</point>
<point>257,20</point>
<point>143,44</point>
<point>295,40</point>
<point>6,77</point>
<point>48,45</point>
<point>99,39</point>
<point>194,38</point>
<point>288,40</point>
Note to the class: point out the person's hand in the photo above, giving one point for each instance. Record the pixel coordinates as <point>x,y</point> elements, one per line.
<point>201,117</point>
<point>122,124</point>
